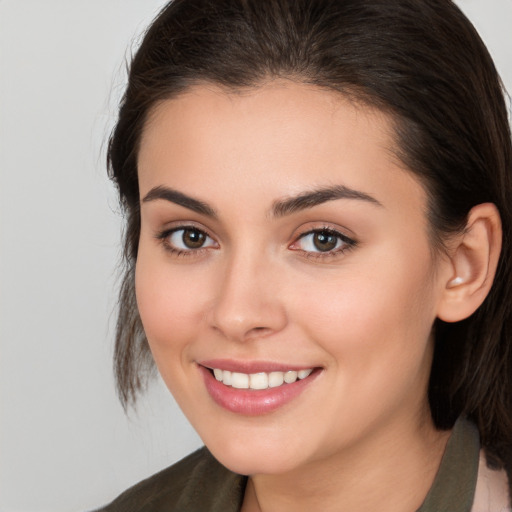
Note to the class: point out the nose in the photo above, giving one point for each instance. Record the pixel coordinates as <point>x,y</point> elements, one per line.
<point>247,304</point>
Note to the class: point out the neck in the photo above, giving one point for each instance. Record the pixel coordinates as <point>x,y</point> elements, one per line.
<point>391,470</point>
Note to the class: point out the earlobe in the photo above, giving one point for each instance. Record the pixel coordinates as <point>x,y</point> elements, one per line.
<point>473,261</point>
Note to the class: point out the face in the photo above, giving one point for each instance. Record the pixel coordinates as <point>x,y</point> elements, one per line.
<point>285,251</point>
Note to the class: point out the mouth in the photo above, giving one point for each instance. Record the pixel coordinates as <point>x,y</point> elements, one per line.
<point>260,389</point>
<point>260,380</point>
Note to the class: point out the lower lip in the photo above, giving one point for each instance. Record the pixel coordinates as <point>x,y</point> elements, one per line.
<point>254,402</point>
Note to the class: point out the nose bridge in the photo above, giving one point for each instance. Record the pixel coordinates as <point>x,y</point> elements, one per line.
<point>247,303</point>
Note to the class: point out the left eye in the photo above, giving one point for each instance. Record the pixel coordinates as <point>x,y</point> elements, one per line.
<point>188,239</point>
<point>323,240</point>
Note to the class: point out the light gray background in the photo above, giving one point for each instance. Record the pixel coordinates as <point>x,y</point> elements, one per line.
<point>65,443</point>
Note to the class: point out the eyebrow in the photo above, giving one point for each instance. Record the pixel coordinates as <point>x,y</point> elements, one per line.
<point>173,196</point>
<point>317,197</point>
<point>280,208</point>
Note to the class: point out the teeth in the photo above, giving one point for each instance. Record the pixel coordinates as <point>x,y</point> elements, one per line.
<point>260,380</point>
<point>275,379</point>
<point>240,380</point>
<point>290,377</point>
<point>302,374</point>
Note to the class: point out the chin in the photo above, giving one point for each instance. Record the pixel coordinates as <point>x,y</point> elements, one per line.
<point>256,457</point>
<point>253,464</point>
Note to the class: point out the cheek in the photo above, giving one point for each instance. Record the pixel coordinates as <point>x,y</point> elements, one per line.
<point>373,317</point>
<point>378,349</point>
<point>169,303</point>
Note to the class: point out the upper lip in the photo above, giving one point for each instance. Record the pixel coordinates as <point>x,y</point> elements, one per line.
<point>252,366</point>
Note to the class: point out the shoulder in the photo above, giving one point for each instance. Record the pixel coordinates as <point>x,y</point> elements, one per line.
<point>194,483</point>
<point>167,484</point>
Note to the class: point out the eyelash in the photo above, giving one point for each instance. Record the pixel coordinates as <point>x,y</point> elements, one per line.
<point>164,238</point>
<point>343,242</point>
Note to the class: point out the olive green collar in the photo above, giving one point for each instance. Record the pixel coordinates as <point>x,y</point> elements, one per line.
<point>454,486</point>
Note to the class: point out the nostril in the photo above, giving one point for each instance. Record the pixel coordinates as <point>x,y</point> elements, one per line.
<point>258,332</point>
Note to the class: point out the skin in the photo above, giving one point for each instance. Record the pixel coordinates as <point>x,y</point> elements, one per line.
<point>258,290</point>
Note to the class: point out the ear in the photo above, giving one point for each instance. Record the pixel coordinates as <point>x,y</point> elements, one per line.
<point>473,259</point>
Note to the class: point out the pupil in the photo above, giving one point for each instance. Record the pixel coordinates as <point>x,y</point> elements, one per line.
<point>325,241</point>
<point>193,238</point>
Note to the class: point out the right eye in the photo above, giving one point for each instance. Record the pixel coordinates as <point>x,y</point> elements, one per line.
<point>186,239</point>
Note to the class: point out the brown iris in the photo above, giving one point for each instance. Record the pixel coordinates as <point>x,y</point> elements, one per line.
<point>325,241</point>
<point>193,238</point>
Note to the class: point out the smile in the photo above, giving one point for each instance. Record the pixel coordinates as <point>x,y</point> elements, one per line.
<point>261,380</point>
<point>255,388</point>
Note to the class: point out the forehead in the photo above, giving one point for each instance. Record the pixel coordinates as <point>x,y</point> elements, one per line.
<point>279,138</point>
<point>280,107</point>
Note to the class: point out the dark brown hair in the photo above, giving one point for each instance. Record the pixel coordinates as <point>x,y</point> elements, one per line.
<point>419,60</point>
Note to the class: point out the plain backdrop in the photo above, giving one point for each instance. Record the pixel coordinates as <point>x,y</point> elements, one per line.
<point>65,443</point>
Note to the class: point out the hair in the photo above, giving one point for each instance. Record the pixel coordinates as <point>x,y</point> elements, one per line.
<point>422,62</point>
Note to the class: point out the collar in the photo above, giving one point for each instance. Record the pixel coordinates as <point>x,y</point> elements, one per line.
<point>454,485</point>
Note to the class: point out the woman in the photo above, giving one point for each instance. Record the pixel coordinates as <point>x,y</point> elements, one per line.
<point>318,255</point>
